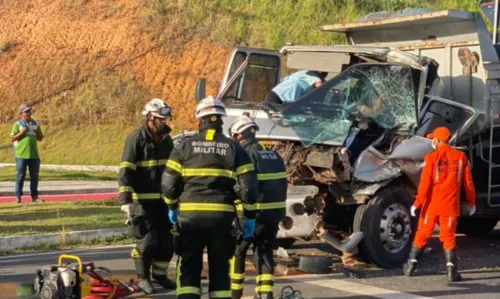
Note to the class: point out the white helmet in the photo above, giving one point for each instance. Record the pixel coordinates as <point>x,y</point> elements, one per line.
<point>210,106</point>
<point>157,108</point>
<point>241,124</point>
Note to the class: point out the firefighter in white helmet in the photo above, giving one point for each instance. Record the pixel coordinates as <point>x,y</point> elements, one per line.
<point>144,157</point>
<point>270,210</point>
<point>198,184</point>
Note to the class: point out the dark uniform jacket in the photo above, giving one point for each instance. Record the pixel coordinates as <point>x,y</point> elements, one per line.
<point>271,174</point>
<point>200,177</point>
<point>142,167</point>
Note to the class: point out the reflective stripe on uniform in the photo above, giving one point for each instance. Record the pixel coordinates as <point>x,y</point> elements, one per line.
<point>271,176</point>
<point>124,189</point>
<point>185,289</point>
<point>190,172</point>
<point>135,253</point>
<point>188,290</point>
<point>148,163</point>
<point>128,165</point>
<point>237,286</point>
<point>161,264</point>
<point>270,205</point>
<point>237,275</point>
<point>264,277</point>
<point>210,135</point>
<point>264,289</point>
<point>261,206</point>
<point>248,207</point>
<point>244,169</point>
<point>151,163</point>
<point>436,178</point>
<point>158,271</point>
<point>207,207</point>
<point>137,196</point>
<point>174,166</point>
<point>459,173</point>
<point>220,294</point>
<point>169,201</point>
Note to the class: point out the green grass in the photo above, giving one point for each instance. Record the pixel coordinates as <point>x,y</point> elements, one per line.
<point>8,174</point>
<point>16,220</point>
<point>118,240</point>
<point>74,145</point>
<point>271,24</point>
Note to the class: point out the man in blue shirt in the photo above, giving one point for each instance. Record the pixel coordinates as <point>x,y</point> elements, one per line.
<point>295,86</point>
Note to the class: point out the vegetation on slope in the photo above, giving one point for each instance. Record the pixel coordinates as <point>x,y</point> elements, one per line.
<point>89,62</point>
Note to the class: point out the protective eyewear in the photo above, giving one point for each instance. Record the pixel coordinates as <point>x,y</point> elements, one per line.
<point>165,111</point>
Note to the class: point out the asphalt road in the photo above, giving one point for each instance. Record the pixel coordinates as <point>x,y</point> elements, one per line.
<point>479,264</point>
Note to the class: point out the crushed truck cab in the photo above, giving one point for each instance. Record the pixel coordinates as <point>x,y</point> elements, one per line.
<point>351,172</point>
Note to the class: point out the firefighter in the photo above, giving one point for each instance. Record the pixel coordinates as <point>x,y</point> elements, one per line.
<point>144,158</point>
<point>199,187</point>
<point>270,210</point>
<point>445,171</point>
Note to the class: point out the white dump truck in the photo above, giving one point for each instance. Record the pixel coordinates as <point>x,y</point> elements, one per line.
<point>350,173</point>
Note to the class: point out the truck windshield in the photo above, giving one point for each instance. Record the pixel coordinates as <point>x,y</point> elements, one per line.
<point>384,93</point>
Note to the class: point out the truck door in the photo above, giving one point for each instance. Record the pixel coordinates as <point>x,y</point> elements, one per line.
<point>250,74</point>
<point>439,112</point>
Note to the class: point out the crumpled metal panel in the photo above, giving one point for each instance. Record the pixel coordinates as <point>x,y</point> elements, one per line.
<point>414,148</point>
<point>373,167</point>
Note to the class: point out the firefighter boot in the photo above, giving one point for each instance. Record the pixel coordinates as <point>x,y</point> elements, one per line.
<point>145,285</point>
<point>237,294</point>
<point>410,266</point>
<point>451,265</point>
<point>166,283</point>
<point>143,270</point>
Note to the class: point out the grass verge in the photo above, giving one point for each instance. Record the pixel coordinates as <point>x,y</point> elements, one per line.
<point>74,145</point>
<point>8,174</point>
<point>118,240</point>
<point>17,220</point>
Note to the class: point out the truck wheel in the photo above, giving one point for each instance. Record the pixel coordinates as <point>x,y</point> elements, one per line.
<point>476,227</point>
<point>286,243</point>
<point>388,227</point>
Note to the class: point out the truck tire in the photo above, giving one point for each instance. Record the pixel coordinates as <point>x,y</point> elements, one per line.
<point>388,227</point>
<point>286,243</point>
<point>476,227</point>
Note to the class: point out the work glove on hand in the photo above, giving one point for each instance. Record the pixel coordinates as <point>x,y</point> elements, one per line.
<point>472,210</point>
<point>248,228</point>
<point>127,208</point>
<point>172,215</point>
<point>413,211</point>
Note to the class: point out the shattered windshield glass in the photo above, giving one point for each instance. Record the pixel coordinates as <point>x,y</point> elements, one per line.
<point>384,93</point>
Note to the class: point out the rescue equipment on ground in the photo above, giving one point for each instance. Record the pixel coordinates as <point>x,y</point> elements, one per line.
<point>287,292</point>
<point>79,281</point>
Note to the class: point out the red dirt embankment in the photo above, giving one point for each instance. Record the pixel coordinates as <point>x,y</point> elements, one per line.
<point>49,48</point>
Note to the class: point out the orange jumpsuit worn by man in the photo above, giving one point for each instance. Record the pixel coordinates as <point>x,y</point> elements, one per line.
<point>438,197</point>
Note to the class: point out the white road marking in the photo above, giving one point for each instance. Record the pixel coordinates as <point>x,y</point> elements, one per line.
<point>353,288</point>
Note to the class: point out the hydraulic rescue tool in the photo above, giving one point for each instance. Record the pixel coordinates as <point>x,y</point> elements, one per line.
<point>79,281</point>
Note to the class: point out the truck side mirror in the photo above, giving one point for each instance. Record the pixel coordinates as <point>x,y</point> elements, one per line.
<point>200,89</point>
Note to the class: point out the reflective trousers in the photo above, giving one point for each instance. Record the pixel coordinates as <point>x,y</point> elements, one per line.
<point>154,241</point>
<point>426,224</point>
<point>189,246</point>
<point>263,240</point>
